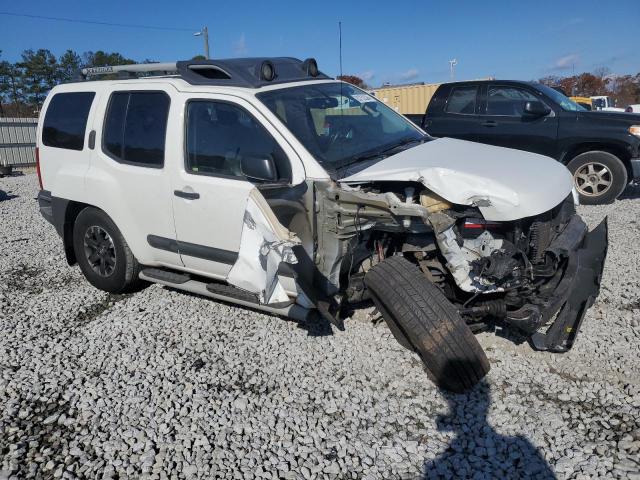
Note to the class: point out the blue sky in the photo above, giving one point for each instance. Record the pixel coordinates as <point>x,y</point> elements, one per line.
<point>399,41</point>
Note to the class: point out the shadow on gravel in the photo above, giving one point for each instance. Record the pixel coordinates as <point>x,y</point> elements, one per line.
<point>316,326</point>
<point>6,196</point>
<point>477,450</point>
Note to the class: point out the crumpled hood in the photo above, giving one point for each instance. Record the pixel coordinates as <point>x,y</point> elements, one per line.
<point>504,183</point>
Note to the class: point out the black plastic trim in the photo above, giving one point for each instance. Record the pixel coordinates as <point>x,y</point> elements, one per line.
<point>635,167</point>
<point>245,72</point>
<point>193,250</point>
<point>46,209</point>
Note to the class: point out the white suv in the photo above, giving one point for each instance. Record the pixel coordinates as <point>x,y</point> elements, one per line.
<point>265,183</point>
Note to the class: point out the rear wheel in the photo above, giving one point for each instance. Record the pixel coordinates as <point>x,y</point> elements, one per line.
<point>103,254</point>
<point>423,320</point>
<point>599,177</point>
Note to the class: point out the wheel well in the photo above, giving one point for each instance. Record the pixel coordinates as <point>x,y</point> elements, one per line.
<point>616,150</point>
<point>70,214</point>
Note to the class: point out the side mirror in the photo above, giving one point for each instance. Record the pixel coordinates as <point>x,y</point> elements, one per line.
<point>259,167</point>
<point>536,109</point>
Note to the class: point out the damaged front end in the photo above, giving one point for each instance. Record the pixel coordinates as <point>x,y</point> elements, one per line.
<point>538,274</point>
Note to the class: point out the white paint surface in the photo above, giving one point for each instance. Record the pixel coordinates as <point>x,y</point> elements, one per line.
<point>505,184</point>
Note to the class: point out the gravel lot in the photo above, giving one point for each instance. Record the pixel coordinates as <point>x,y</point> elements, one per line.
<point>161,384</point>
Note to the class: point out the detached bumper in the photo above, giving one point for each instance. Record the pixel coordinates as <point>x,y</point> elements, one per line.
<point>572,294</point>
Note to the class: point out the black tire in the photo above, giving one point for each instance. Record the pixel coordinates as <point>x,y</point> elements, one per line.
<point>614,172</point>
<point>122,276</point>
<point>422,319</point>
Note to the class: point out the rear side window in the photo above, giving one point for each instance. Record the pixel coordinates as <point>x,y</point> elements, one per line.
<point>462,100</point>
<point>65,122</point>
<point>135,127</point>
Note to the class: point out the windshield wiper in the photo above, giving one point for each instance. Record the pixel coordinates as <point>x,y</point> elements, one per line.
<point>403,142</point>
<point>383,152</point>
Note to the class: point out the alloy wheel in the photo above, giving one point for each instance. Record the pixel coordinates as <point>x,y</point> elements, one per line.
<point>593,179</point>
<point>100,251</point>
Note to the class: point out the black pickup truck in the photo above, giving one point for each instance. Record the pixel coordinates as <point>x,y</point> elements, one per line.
<point>601,149</point>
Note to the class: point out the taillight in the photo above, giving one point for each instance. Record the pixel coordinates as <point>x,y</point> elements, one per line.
<point>38,168</point>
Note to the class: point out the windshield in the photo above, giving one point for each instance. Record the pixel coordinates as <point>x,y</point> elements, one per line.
<point>340,124</point>
<point>562,100</point>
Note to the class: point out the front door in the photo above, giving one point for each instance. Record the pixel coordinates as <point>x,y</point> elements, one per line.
<point>210,191</point>
<point>504,123</point>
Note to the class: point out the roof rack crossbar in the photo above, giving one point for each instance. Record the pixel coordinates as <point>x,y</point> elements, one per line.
<point>135,68</point>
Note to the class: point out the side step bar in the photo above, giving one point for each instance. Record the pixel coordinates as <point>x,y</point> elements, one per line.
<point>219,291</point>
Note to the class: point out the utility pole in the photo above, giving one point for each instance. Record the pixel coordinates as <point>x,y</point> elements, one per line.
<point>452,64</point>
<point>205,35</point>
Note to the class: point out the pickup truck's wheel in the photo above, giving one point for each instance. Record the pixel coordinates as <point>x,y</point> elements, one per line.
<point>423,320</point>
<point>599,177</point>
<point>103,254</point>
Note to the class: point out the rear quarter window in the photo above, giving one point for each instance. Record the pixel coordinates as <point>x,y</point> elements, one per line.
<point>65,121</point>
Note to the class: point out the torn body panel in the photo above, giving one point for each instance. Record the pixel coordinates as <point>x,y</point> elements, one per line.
<point>264,245</point>
<point>505,184</point>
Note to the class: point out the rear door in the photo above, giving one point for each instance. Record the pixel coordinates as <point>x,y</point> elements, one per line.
<point>455,112</point>
<point>129,173</point>
<point>504,123</point>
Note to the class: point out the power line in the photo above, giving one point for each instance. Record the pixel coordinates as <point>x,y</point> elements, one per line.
<point>108,24</point>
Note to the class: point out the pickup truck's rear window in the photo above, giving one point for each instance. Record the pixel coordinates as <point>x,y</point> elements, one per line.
<point>66,120</point>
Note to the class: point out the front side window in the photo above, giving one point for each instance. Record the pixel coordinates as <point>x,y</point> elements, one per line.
<point>65,122</point>
<point>462,100</point>
<point>136,126</point>
<point>339,124</point>
<point>565,103</point>
<point>222,138</point>
<point>508,101</point>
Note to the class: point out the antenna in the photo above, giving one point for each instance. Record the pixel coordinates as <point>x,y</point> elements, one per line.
<point>340,39</point>
<point>452,64</point>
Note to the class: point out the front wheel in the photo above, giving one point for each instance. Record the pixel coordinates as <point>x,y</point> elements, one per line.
<point>103,254</point>
<point>423,320</point>
<point>599,177</point>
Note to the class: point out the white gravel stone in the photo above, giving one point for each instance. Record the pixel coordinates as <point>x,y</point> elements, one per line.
<point>164,385</point>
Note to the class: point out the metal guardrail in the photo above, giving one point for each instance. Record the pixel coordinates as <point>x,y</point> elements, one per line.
<point>18,141</point>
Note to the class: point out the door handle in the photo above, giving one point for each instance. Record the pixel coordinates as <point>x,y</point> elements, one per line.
<point>187,195</point>
<point>489,123</point>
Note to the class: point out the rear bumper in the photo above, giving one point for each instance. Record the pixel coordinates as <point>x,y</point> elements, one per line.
<point>554,322</point>
<point>635,168</point>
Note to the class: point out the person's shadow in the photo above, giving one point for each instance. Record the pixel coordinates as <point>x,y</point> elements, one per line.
<point>478,451</point>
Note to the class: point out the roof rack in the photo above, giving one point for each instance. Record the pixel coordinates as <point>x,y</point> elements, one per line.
<point>238,72</point>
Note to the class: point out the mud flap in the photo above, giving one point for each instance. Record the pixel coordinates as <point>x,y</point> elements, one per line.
<point>585,272</point>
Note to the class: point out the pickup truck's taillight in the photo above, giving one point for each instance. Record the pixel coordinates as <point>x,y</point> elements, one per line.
<point>38,168</point>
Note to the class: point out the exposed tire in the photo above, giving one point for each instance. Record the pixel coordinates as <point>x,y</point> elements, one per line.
<point>599,177</point>
<point>422,319</point>
<point>96,239</point>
